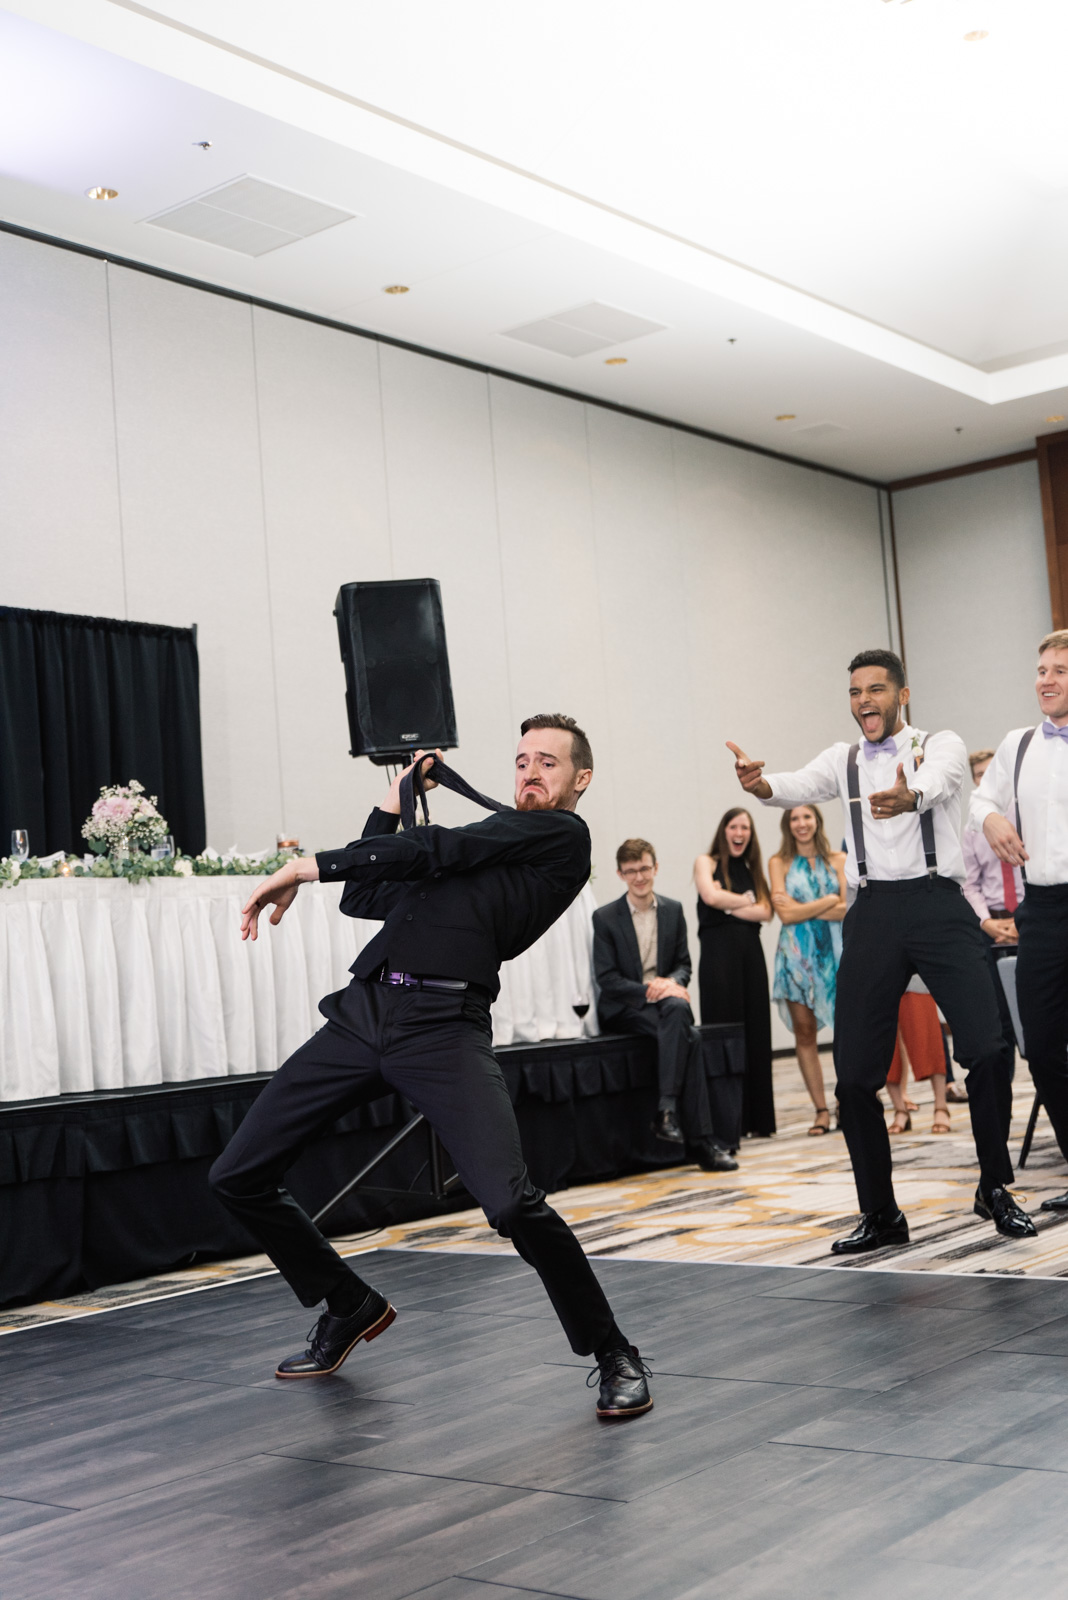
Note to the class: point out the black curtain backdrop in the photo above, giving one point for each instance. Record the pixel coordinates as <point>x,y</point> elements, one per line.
<point>87,701</point>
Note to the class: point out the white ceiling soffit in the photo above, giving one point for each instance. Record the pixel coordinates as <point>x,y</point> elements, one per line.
<point>584,329</point>
<point>179,39</point>
<point>250,216</point>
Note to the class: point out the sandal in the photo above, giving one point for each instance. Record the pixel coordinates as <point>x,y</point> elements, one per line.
<point>910,1105</point>
<point>905,1128</point>
<point>936,1126</point>
<point>817,1127</point>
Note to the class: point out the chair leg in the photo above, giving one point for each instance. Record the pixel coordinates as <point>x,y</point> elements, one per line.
<point>1032,1123</point>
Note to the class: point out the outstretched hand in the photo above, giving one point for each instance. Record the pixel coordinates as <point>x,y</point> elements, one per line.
<point>749,773</point>
<point>892,802</point>
<point>279,890</point>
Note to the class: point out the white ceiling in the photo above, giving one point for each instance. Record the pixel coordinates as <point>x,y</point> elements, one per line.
<point>872,208</point>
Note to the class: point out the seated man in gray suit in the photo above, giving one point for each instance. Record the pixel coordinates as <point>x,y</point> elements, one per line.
<point>641,961</point>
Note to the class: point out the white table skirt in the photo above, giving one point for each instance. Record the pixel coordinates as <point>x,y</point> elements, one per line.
<point>106,984</point>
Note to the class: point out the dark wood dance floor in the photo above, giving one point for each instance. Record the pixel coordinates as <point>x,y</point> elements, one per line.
<point>869,1436</point>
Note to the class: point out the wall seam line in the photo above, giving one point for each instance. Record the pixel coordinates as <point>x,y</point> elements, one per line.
<point>500,552</point>
<point>385,458</point>
<point>267,570</point>
<point>115,438</point>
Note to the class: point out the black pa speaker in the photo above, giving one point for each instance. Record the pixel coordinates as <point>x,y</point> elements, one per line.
<point>397,685</point>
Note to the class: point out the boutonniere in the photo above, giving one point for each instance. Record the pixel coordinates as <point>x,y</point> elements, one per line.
<point>916,751</point>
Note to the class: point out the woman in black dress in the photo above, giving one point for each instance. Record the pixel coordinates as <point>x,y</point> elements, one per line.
<point>733,902</point>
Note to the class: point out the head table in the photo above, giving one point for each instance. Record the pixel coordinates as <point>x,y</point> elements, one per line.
<point>107,984</point>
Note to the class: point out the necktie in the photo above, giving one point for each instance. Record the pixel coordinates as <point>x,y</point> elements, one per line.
<point>1051,731</point>
<point>412,790</point>
<point>1008,882</point>
<point>886,746</point>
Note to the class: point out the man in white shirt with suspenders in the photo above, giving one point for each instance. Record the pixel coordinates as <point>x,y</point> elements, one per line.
<point>1028,779</point>
<point>901,789</point>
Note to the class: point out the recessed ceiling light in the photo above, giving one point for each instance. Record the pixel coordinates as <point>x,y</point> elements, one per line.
<point>615,361</point>
<point>395,288</point>
<point>1057,418</point>
<point>975,35</point>
<point>102,194</point>
<point>786,416</point>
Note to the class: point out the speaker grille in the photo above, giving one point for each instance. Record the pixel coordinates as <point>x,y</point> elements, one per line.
<point>398,687</point>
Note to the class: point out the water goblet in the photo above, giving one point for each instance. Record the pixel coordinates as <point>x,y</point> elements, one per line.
<point>20,844</point>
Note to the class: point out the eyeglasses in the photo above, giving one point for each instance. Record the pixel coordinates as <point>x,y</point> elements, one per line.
<point>636,872</point>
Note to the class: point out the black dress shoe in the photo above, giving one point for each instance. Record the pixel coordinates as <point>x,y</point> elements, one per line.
<point>1056,1202</point>
<point>1000,1208</point>
<point>624,1390</point>
<point>712,1157</point>
<point>667,1127</point>
<point>875,1230</point>
<point>332,1338</point>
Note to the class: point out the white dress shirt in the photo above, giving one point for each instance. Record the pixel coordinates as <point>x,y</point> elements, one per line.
<point>893,845</point>
<point>1043,801</point>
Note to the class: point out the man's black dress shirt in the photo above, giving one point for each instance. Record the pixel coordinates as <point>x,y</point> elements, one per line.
<point>456,902</point>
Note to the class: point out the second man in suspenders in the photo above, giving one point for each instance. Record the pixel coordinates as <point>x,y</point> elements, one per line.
<point>1028,780</point>
<point>901,790</point>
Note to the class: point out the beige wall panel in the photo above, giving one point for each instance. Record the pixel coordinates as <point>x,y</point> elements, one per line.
<point>443,520</point>
<point>327,524</point>
<point>548,560</point>
<point>643,575</point>
<point>59,504</point>
<point>975,599</point>
<point>189,469</point>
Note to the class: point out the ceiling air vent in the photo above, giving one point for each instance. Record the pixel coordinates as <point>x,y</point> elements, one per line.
<point>818,430</point>
<point>584,329</point>
<point>250,216</point>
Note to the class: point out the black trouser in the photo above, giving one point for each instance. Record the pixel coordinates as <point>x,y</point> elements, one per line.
<point>1042,995</point>
<point>892,930</point>
<point>680,1070</point>
<point>433,1047</point>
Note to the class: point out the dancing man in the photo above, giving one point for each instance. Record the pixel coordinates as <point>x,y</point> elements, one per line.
<point>415,1019</point>
<point>902,791</point>
<point>1028,780</point>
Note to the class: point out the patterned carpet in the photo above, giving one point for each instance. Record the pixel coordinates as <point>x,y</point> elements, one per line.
<point>790,1197</point>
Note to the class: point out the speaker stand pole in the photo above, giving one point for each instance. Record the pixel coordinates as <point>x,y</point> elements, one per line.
<point>441,1188</point>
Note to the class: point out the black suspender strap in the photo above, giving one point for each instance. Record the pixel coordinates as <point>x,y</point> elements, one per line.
<point>856,814</point>
<point>927,832</point>
<point>412,789</point>
<point>1020,753</point>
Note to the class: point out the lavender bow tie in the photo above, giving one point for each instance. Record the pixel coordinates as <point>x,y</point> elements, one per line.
<point>1051,731</point>
<point>884,747</point>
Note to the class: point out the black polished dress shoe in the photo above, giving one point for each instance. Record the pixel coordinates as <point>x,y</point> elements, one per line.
<point>1000,1208</point>
<point>332,1338</point>
<point>624,1389</point>
<point>875,1231</point>
<point>1056,1202</point>
<point>667,1127</point>
<point>711,1157</point>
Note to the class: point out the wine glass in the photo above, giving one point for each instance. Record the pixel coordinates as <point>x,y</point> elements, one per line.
<point>165,849</point>
<point>20,844</point>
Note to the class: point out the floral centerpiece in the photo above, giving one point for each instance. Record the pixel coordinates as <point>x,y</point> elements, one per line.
<point>124,820</point>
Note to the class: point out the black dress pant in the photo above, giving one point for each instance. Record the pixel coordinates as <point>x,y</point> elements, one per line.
<point>892,930</point>
<point>680,1070</point>
<point>433,1047</point>
<point>1042,995</point>
<point>733,978</point>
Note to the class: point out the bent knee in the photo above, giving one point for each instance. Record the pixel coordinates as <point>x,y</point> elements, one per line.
<point>516,1211</point>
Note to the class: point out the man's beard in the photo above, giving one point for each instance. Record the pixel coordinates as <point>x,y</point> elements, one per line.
<point>534,800</point>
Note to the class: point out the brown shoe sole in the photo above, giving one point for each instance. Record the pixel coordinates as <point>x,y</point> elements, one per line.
<point>388,1316</point>
<point>623,1413</point>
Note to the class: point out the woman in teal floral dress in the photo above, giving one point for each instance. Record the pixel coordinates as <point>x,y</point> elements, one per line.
<point>808,892</point>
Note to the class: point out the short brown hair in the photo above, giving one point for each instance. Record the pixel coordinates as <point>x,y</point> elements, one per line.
<point>633,850</point>
<point>977,756</point>
<point>1057,640</point>
<point>581,754</point>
